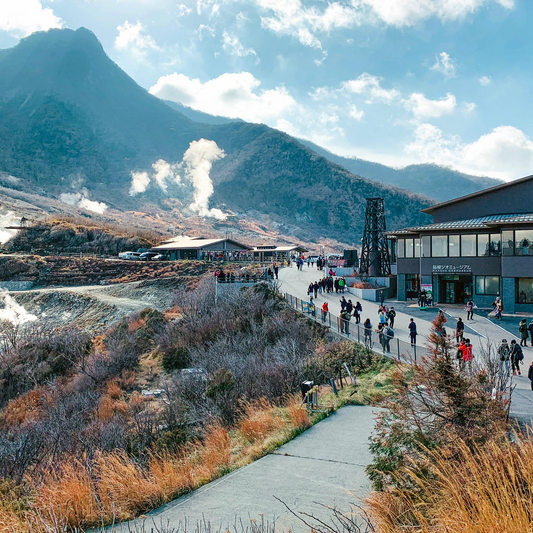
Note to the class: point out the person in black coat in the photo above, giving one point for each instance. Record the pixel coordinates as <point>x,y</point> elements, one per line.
<point>530,374</point>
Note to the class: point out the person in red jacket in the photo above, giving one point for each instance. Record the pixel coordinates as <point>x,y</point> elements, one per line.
<point>467,355</point>
<point>325,310</point>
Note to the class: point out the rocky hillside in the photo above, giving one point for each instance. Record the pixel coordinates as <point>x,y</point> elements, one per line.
<point>72,122</point>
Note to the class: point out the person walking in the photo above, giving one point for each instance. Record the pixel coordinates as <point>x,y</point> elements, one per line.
<point>349,307</point>
<point>368,333</point>
<point>310,289</point>
<point>504,353</point>
<point>315,289</point>
<point>470,310</point>
<point>325,311</point>
<point>343,303</point>
<point>530,374</point>
<point>412,331</point>
<point>346,321</point>
<point>392,316</point>
<point>388,334</point>
<point>459,330</point>
<point>517,356</point>
<point>381,297</point>
<point>524,332</point>
<point>467,355</point>
<point>357,315</point>
<point>382,317</point>
<point>312,307</point>
<point>336,284</point>
<point>276,268</point>
<point>460,354</point>
<point>530,328</point>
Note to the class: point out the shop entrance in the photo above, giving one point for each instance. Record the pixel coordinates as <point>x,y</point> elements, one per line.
<point>455,289</point>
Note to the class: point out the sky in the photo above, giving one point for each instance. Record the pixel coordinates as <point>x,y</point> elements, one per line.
<point>393,81</point>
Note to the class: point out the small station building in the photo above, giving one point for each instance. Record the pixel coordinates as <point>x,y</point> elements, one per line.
<point>269,252</point>
<point>183,247</point>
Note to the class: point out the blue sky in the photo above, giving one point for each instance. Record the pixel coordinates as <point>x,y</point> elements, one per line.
<point>392,81</point>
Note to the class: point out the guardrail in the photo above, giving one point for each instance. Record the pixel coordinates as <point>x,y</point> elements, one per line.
<point>379,343</point>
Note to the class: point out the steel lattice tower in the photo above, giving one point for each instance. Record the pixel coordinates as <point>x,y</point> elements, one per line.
<point>375,256</point>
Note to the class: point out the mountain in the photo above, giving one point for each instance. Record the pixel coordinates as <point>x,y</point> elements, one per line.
<point>71,120</point>
<point>200,116</point>
<point>433,181</point>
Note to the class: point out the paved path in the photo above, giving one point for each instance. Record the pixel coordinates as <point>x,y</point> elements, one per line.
<point>481,330</point>
<point>324,465</point>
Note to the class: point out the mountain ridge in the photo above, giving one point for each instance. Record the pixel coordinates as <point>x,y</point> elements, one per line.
<point>71,120</point>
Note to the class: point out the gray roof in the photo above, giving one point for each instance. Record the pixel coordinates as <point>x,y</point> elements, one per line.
<point>474,223</point>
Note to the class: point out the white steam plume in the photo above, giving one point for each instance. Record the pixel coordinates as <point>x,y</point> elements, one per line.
<point>198,160</point>
<point>14,312</point>
<point>9,219</point>
<point>82,201</point>
<point>139,182</point>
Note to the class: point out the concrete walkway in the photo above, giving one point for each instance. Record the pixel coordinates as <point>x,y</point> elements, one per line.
<point>481,331</point>
<point>323,466</point>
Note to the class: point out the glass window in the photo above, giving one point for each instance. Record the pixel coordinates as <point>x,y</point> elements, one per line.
<point>482,245</point>
<point>401,248</point>
<point>454,246</point>
<point>495,245</point>
<point>412,283</point>
<point>439,245</point>
<point>523,242</point>
<point>524,290</point>
<point>488,285</point>
<point>507,243</point>
<point>417,247</point>
<point>409,248</point>
<point>468,245</point>
<point>426,246</point>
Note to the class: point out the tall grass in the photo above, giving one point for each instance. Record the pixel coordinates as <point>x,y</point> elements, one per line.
<point>488,489</point>
<point>115,487</point>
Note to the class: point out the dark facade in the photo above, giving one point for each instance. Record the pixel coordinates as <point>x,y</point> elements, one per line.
<point>480,247</point>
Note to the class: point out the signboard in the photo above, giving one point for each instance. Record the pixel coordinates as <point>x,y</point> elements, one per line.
<point>336,262</point>
<point>452,269</point>
<point>428,287</point>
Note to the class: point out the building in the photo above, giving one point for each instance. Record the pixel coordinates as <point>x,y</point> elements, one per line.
<point>208,249</point>
<point>479,246</point>
<point>270,252</point>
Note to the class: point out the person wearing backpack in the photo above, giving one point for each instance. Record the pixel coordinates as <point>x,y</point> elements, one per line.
<point>388,334</point>
<point>517,356</point>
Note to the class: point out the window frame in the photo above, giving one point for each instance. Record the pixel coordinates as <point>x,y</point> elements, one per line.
<point>475,244</point>
<point>458,245</point>
<point>445,245</point>
<point>485,293</point>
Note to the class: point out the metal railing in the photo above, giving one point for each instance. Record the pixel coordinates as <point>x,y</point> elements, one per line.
<point>375,341</point>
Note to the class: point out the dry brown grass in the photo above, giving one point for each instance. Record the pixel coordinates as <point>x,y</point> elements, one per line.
<point>115,486</point>
<point>259,420</point>
<point>487,490</point>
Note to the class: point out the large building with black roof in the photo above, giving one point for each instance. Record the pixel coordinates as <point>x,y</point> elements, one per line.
<point>480,246</point>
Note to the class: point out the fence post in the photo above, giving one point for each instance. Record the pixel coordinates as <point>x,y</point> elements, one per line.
<point>398,342</point>
<point>415,351</point>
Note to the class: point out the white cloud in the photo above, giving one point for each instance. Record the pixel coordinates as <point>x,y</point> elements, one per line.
<point>469,106</point>
<point>234,95</point>
<point>320,93</point>
<point>22,17</point>
<point>485,80</point>
<point>293,18</point>
<point>355,113</point>
<point>506,152</point>
<point>132,37</point>
<point>183,10</point>
<point>320,62</point>
<point>231,44</point>
<point>410,12</point>
<point>370,86</point>
<point>202,6</point>
<point>241,19</point>
<point>204,29</point>
<point>445,65</point>
<point>423,108</point>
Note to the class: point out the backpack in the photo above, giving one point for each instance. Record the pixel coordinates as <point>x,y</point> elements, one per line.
<point>390,333</point>
<point>519,354</point>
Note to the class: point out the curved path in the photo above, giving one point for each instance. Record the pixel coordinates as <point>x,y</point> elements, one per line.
<point>323,466</point>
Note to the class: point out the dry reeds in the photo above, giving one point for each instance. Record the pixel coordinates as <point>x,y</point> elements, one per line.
<point>259,420</point>
<point>482,490</point>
